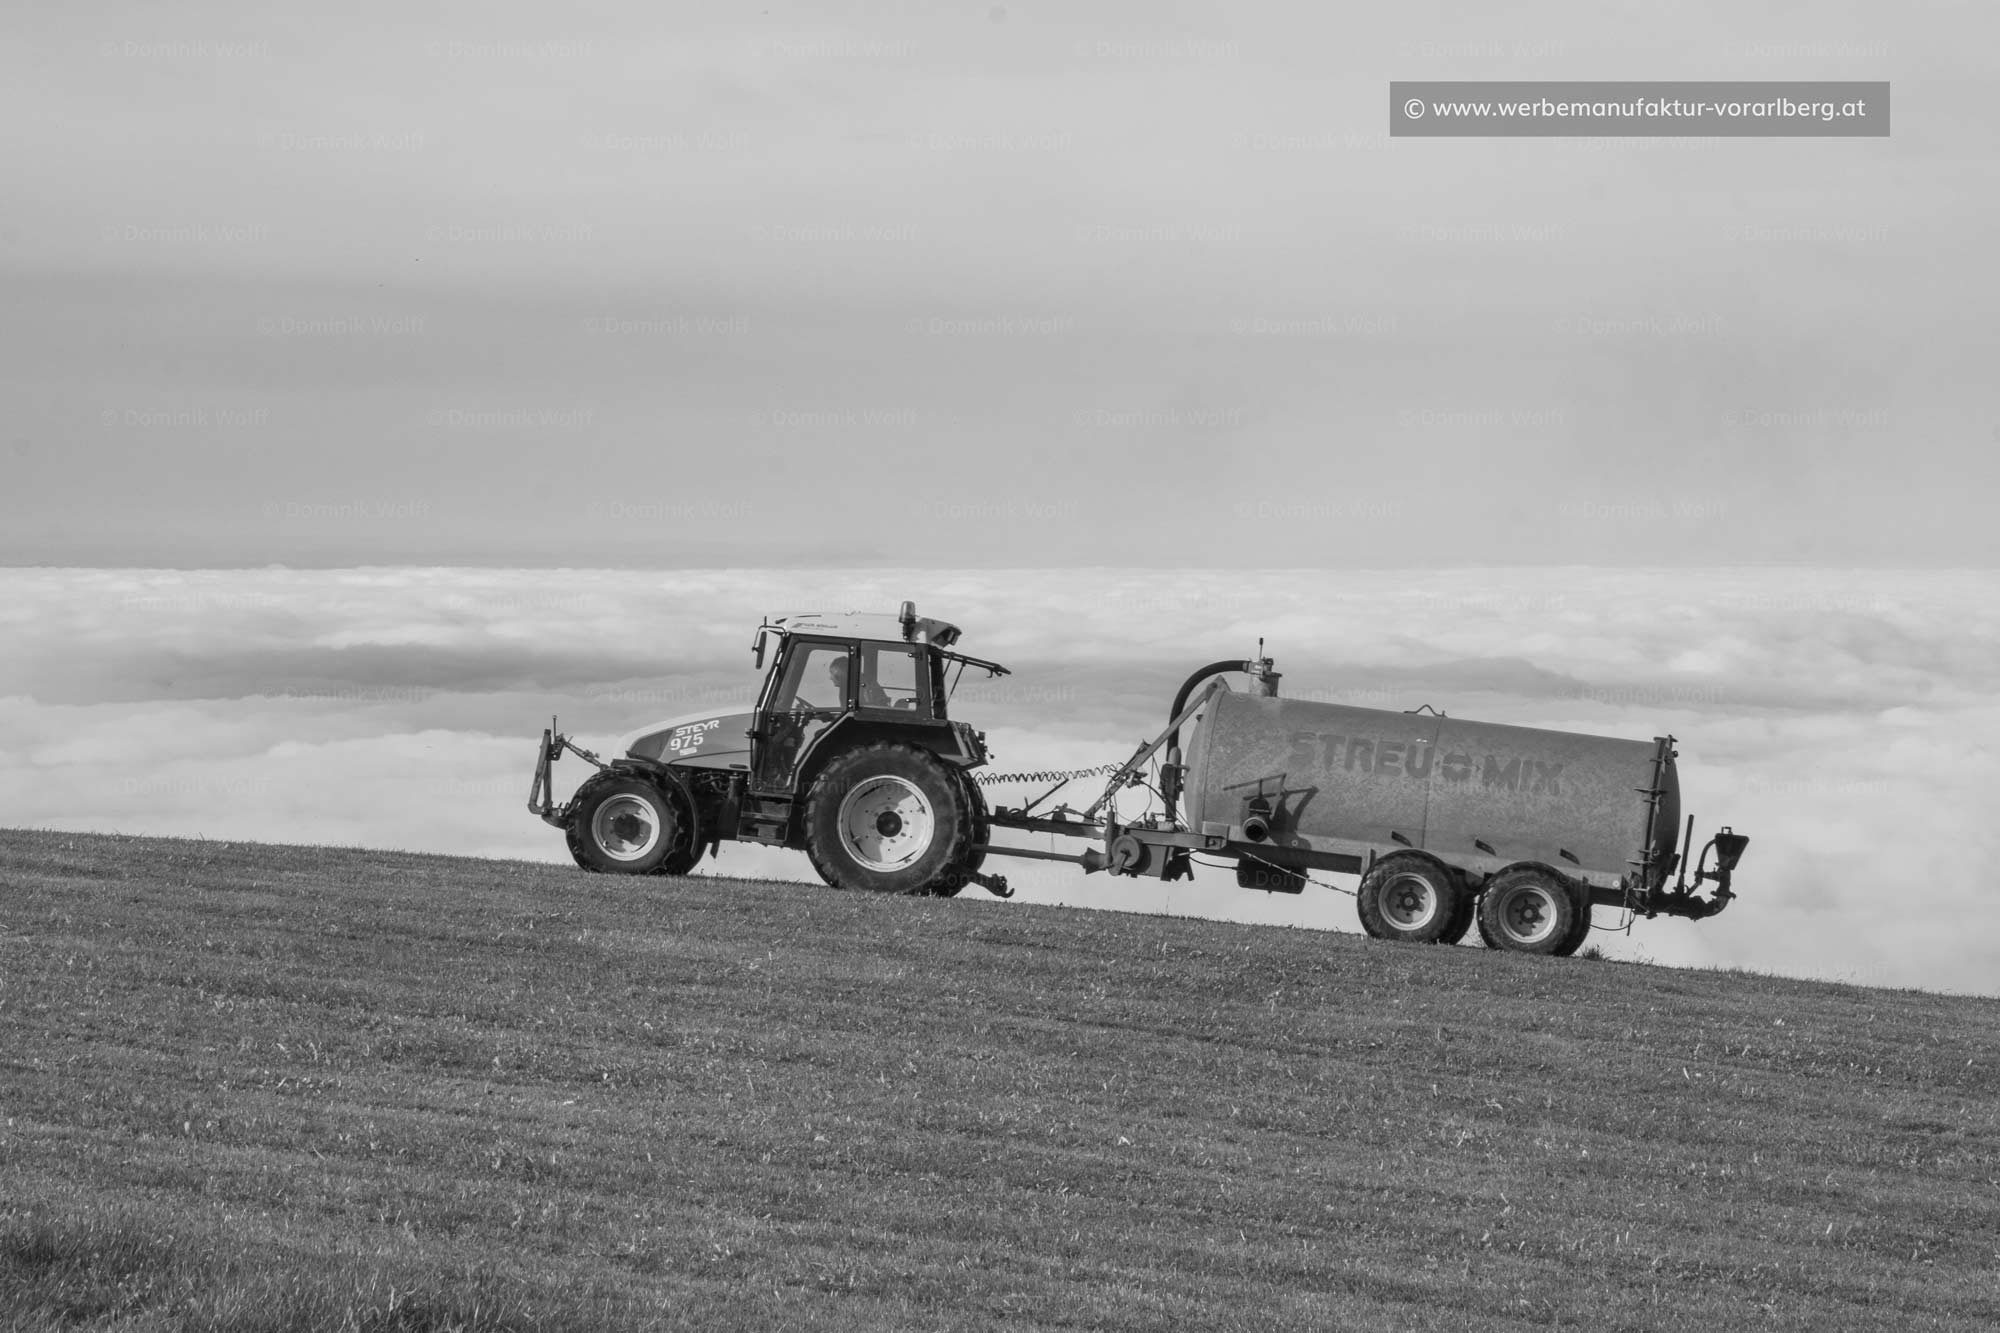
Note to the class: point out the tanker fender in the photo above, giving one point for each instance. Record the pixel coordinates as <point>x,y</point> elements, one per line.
<point>1577,888</point>
<point>1460,873</point>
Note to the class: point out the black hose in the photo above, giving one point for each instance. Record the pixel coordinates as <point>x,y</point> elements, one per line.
<point>1170,787</point>
<point>1187,691</point>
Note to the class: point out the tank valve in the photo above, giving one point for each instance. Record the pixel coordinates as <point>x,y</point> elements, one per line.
<point>1266,674</point>
<point>1257,823</point>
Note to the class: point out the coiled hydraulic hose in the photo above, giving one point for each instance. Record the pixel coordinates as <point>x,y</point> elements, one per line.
<point>1052,775</point>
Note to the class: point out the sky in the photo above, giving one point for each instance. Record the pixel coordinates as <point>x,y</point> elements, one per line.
<point>885,284</point>
<point>1848,722</point>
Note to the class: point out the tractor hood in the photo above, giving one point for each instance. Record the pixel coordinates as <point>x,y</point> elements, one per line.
<point>699,738</point>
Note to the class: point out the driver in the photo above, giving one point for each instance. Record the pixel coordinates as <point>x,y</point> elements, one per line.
<point>836,675</point>
<point>872,694</point>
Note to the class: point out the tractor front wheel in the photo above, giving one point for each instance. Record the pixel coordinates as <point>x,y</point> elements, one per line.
<point>629,826</point>
<point>889,818</point>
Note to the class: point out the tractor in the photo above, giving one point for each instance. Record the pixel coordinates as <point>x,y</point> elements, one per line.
<point>848,755</point>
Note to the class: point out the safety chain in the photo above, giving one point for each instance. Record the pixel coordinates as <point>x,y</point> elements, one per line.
<point>1053,775</point>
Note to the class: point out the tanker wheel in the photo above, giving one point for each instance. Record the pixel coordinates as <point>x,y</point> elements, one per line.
<point>627,826</point>
<point>1528,910</point>
<point>1485,935</point>
<point>1579,932</point>
<point>889,818</point>
<point>1461,920</point>
<point>1408,898</point>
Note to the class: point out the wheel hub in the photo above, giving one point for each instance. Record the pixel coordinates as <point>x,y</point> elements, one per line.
<point>625,828</point>
<point>1408,902</point>
<point>1529,914</point>
<point>886,823</point>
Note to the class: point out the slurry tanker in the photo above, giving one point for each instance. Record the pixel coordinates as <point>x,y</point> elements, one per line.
<point>849,755</point>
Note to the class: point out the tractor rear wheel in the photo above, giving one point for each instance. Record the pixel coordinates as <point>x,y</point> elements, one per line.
<point>982,833</point>
<point>630,826</point>
<point>1408,898</point>
<point>888,818</point>
<point>1528,910</point>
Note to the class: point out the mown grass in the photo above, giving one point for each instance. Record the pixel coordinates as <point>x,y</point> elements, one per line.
<point>261,1087</point>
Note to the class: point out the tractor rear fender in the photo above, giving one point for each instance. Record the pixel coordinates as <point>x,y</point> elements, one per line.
<point>851,732</point>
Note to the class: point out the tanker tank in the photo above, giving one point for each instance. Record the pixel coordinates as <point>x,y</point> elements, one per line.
<point>1341,785</point>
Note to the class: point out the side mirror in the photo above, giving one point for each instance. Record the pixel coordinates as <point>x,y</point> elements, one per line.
<point>757,650</point>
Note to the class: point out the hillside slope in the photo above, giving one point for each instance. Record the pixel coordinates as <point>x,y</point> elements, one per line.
<point>258,1086</point>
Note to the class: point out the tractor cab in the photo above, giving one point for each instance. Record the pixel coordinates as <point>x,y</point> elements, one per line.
<point>841,680</point>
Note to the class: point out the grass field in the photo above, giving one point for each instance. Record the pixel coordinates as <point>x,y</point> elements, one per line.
<point>251,1087</point>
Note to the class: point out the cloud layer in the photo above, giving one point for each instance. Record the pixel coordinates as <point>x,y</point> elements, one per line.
<point>1846,720</point>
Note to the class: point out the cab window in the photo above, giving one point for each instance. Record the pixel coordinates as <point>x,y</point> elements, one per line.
<point>889,678</point>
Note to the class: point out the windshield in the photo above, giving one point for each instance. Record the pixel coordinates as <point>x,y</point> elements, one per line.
<point>815,678</point>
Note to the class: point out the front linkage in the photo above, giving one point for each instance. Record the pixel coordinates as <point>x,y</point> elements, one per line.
<point>541,796</point>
